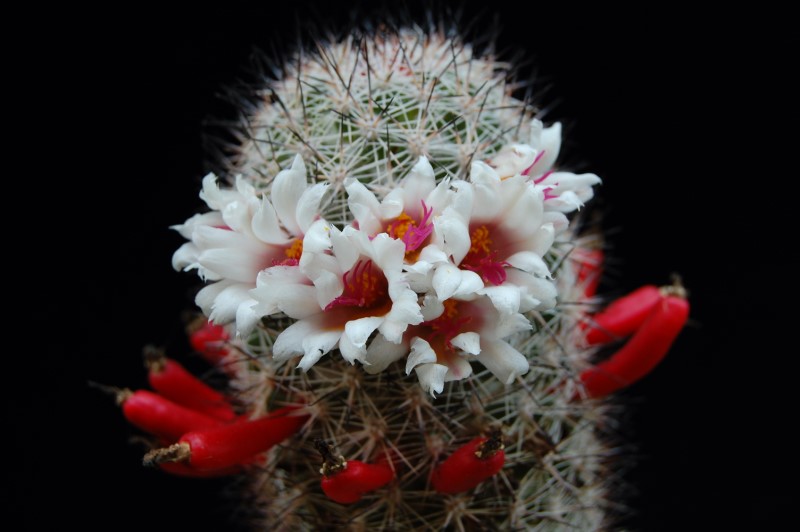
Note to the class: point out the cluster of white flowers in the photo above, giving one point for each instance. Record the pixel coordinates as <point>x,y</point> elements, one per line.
<point>436,273</point>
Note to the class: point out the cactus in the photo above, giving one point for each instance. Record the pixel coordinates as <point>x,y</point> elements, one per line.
<point>391,253</point>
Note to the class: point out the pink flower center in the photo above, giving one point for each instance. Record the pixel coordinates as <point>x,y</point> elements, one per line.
<point>293,252</point>
<point>458,317</point>
<point>413,233</point>
<point>365,287</point>
<point>484,250</point>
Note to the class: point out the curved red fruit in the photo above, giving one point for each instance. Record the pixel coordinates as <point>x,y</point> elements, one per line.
<point>237,442</point>
<point>463,470</point>
<point>209,340</point>
<point>623,316</point>
<point>357,478</point>
<point>161,417</point>
<point>642,352</point>
<point>173,381</point>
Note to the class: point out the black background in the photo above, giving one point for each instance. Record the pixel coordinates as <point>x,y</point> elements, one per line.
<point>687,118</point>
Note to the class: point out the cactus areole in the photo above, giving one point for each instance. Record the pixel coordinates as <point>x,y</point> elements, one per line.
<point>394,255</point>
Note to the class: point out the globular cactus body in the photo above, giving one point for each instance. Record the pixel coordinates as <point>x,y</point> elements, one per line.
<point>395,250</point>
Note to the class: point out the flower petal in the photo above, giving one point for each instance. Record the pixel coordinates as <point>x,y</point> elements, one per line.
<point>513,159</point>
<point>535,293</point>
<point>206,296</point>
<point>307,210</point>
<point>508,324</point>
<point>234,263</point>
<point>457,368</point>
<point>351,352</point>
<point>505,298</point>
<point>381,353</point>
<point>305,337</point>
<point>359,331</point>
<point>215,197</point>
<point>186,229</point>
<point>318,238</point>
<point>471,282</point>
<point>405,309</point>
<point>227,301</point>
<point>185,258</point>
<point>287,187</point>
<point>529,262</point>
<point>454,234</point>
<point>505,362</point>
<point>469,342</point>
<point>432,307</point>
<point>421,353</point>
<point>285,288</point>
<point>446,280</point>
<point>431,377</point>
<point>418,183</point>
<point>246,317</point>
<point>363,205</point>
<point>265,224</point>
<point>549,146</point>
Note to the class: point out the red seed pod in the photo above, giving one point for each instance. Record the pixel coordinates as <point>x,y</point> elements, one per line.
<point>210,341</point>
<point>231,444</point>
<point>173,381</point>
<point>469,465</point>
<point>161,417</point>
<point>623,316</point>
<point>346,481</point>
<point>642,352</point>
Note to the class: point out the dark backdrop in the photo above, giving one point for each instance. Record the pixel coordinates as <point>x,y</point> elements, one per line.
<point>681,116</point>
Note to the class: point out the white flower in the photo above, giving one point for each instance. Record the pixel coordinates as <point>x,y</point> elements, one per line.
<point>493,229</point>
<point>564,192</point>
<point>533,159</point>
<point>453,334</point>
<point>244,234</point>
<point>406,212</point>
<point>358,288</point>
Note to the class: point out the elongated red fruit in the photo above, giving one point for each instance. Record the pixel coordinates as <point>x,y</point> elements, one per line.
<point>173,381</point>
<point>230,444</point>
<point>623,316</point>
<point>209,340</point>
<point>161,417</point>
<point>469,465</point>
<point>642,352</point>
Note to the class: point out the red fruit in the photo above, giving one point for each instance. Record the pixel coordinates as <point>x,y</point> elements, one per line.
<point>469,465</point>
<point>346,481</point>
<point>210,341</point>
<point>643,351</point>
<point>173,381</point>
<point>348,485</point>
<point>623,316</point>
<point>231,444</point>
<point>161,417</point>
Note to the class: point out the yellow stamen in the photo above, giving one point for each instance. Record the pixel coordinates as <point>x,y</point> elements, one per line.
<point>295,250</point>
<point>480,240</point>
<point>400,225</point>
